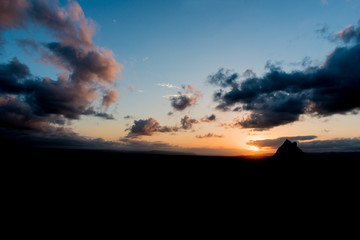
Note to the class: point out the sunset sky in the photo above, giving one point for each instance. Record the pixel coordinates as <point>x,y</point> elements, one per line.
<point>215,77</point>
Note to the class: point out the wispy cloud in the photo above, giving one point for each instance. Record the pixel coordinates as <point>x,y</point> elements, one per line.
<point>209,135</point>
<point>324,2</point>
<point>145,59</point>
<point>168,85</point>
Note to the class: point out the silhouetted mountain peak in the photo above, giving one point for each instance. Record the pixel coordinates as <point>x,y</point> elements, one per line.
<point>289,150</point>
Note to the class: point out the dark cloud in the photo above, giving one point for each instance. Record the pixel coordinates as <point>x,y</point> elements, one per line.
<point>184,100</point>
<point>210,118</point>
<point>209,135</point>
<point>147,127</point>
<point>85,66</point>
<point>11,75</point>
<point>279,97</point>
<point>40,105</point>
<point>91,111</point>
<point>128,117</point>
<point>187,122</point>
<point>277,142</point>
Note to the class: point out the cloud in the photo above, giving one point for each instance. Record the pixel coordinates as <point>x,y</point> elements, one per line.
<point>209,135</point>
<point>182,101</point>
<point>131,88</point>
<point>147,127</point>
<point>137,145</point>
<point>277,142</point>
<point>350,33</point>
<point>168,85</point>
<point>324,2</point>
<point>145,59</point>
<point>109,97</point>
<point>332,145</point>
<point>187,122</point>
<point>40,105</point>
<point>128,117</point>
<point>280,98</point>
<point>210,118</point>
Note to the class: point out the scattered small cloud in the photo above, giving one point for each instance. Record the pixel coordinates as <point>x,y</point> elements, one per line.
<point>209,135</point>
<point>168,85</point>
<point>147,127</point>
<point>210,118</point>
<point>145,59</point>
<point>187,122</point>
<point>114,20</point>
<point>140,91</point>
<point>128,117</point>
<point>131,88</point>
<point>184,100</point>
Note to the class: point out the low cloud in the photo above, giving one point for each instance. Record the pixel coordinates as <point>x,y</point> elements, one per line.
<point>136,145</point>
<point>307,144</point>
<point>332,145</point>
<point>209,135</point>
<point>280,98</point>
<point>277,142</point>
<point>147,127</point>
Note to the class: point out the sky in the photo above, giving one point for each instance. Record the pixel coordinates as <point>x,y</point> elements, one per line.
<point>234,77</point>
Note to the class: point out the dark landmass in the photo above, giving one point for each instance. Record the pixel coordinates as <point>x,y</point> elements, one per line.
<point>141,177</point>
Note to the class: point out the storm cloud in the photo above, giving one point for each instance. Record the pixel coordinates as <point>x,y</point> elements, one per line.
<point>279,97</point>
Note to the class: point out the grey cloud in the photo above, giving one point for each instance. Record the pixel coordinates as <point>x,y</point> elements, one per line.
<point>210,118</point>
<point>147,127</point>
<point>209,135</point>
<point>185,100</point>
<point>332,145</point>
<point>187,122</point>
<point>277,142</point>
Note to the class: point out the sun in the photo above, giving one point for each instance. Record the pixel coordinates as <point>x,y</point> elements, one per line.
<point>254,148</point>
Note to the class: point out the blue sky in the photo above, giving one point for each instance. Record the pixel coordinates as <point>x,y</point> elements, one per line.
<point>182,42</point>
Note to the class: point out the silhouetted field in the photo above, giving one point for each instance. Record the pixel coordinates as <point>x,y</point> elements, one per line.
<point>169,163</point>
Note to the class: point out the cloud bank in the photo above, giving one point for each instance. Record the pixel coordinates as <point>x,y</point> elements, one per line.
<point>308,144</point>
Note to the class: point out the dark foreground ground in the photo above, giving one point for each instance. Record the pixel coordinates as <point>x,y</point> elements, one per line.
<point>105,164</point>
<point>142,184</point>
